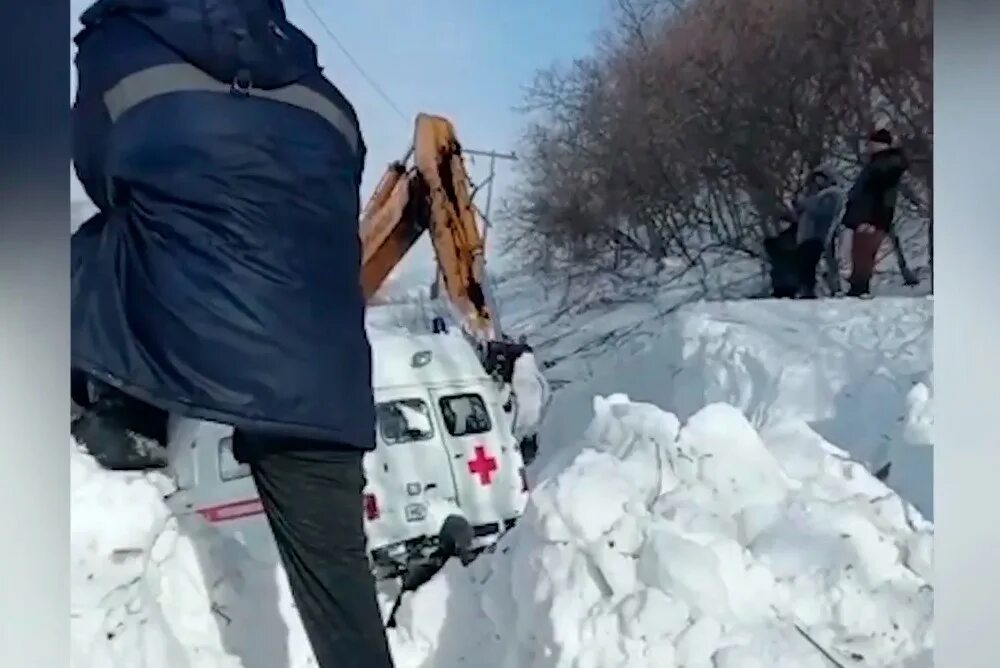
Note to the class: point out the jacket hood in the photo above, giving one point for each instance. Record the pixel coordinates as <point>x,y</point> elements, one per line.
<point>827,173</point>
<point>228,39</point>
<point>834,187</point>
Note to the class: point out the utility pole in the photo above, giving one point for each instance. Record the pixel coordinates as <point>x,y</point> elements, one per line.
<point>484,278</point>
<point>493,156</point>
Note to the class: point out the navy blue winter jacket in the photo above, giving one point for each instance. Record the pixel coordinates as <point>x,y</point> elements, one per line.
<point>872,198</point>
<point>220,279</point>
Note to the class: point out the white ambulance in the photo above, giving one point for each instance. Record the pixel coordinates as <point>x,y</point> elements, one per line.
<point>444,446</point>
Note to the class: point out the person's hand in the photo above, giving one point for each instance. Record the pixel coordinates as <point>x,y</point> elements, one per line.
<point>865,228</point>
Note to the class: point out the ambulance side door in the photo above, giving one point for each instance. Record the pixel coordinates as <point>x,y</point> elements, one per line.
<point>409,469</point>
<point>486,473</point>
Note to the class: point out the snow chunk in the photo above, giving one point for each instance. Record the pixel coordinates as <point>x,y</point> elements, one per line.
<point>531,390</point>
<point>920,417</point>
<point>417,420</point>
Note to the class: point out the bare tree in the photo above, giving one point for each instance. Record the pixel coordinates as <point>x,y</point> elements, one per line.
<point>695,121</point>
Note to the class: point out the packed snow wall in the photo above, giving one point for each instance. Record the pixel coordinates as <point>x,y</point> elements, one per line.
<point>858,372</point>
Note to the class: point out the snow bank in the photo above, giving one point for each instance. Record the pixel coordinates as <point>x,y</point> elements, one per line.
<point>850,369</point>
<point>702,545</point>
<point>656,545</point>
<point>123,578</point>
<point>148,591</point>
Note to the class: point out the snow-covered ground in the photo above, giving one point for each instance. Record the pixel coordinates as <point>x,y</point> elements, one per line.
<point>575,320</point>
<point>719,515</point>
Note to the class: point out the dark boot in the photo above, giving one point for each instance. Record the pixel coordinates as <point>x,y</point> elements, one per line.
<point>859,288</point>
<point>784,292</point>
<point>122,433</point>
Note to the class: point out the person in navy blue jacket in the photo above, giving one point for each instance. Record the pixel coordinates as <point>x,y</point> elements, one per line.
<point>220,278</point>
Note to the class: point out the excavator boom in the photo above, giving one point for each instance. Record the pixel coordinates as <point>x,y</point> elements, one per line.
<point>431,193</point>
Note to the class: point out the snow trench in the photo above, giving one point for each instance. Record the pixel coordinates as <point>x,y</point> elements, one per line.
<point>659,544</point>
<point>689,508</point>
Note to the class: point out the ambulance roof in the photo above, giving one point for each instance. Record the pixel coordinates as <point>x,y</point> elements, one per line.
<point>401,359</point>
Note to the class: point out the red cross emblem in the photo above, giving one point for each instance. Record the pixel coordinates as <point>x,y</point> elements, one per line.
<point>483,465</point>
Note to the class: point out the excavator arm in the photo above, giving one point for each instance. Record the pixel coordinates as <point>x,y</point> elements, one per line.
<point>429,191</point>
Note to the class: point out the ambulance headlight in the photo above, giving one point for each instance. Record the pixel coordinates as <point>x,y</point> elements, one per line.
<point>420,359</point>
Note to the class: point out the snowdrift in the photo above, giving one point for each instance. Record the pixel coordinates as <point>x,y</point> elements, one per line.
<point>857,372</point>
<point>657,545</point>
<point>150,591</point>
<point>122,576</point>
<point>702,545</point>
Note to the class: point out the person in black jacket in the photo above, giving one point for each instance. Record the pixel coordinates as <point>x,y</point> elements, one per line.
<point>220,279</point>
<point>781,251</point>
<point>871,206</point>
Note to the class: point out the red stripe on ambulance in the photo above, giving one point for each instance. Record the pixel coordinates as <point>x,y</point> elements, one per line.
<point>232,511</point>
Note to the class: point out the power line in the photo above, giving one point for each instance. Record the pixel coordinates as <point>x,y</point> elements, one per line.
<point>353,61</point>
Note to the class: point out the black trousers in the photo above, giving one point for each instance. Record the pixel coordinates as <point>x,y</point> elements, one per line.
<point>808,254</point>
<point>312,495</point>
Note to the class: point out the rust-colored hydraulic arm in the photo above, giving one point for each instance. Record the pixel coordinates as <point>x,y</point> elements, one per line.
<point>430,193</point>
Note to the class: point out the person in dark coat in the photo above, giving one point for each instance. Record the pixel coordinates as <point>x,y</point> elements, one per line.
<point>781,251</point>
<point>871,206</point>
<point>220,278</point>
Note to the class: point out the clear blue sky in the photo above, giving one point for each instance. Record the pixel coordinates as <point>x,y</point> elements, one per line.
<point>465,59</point>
